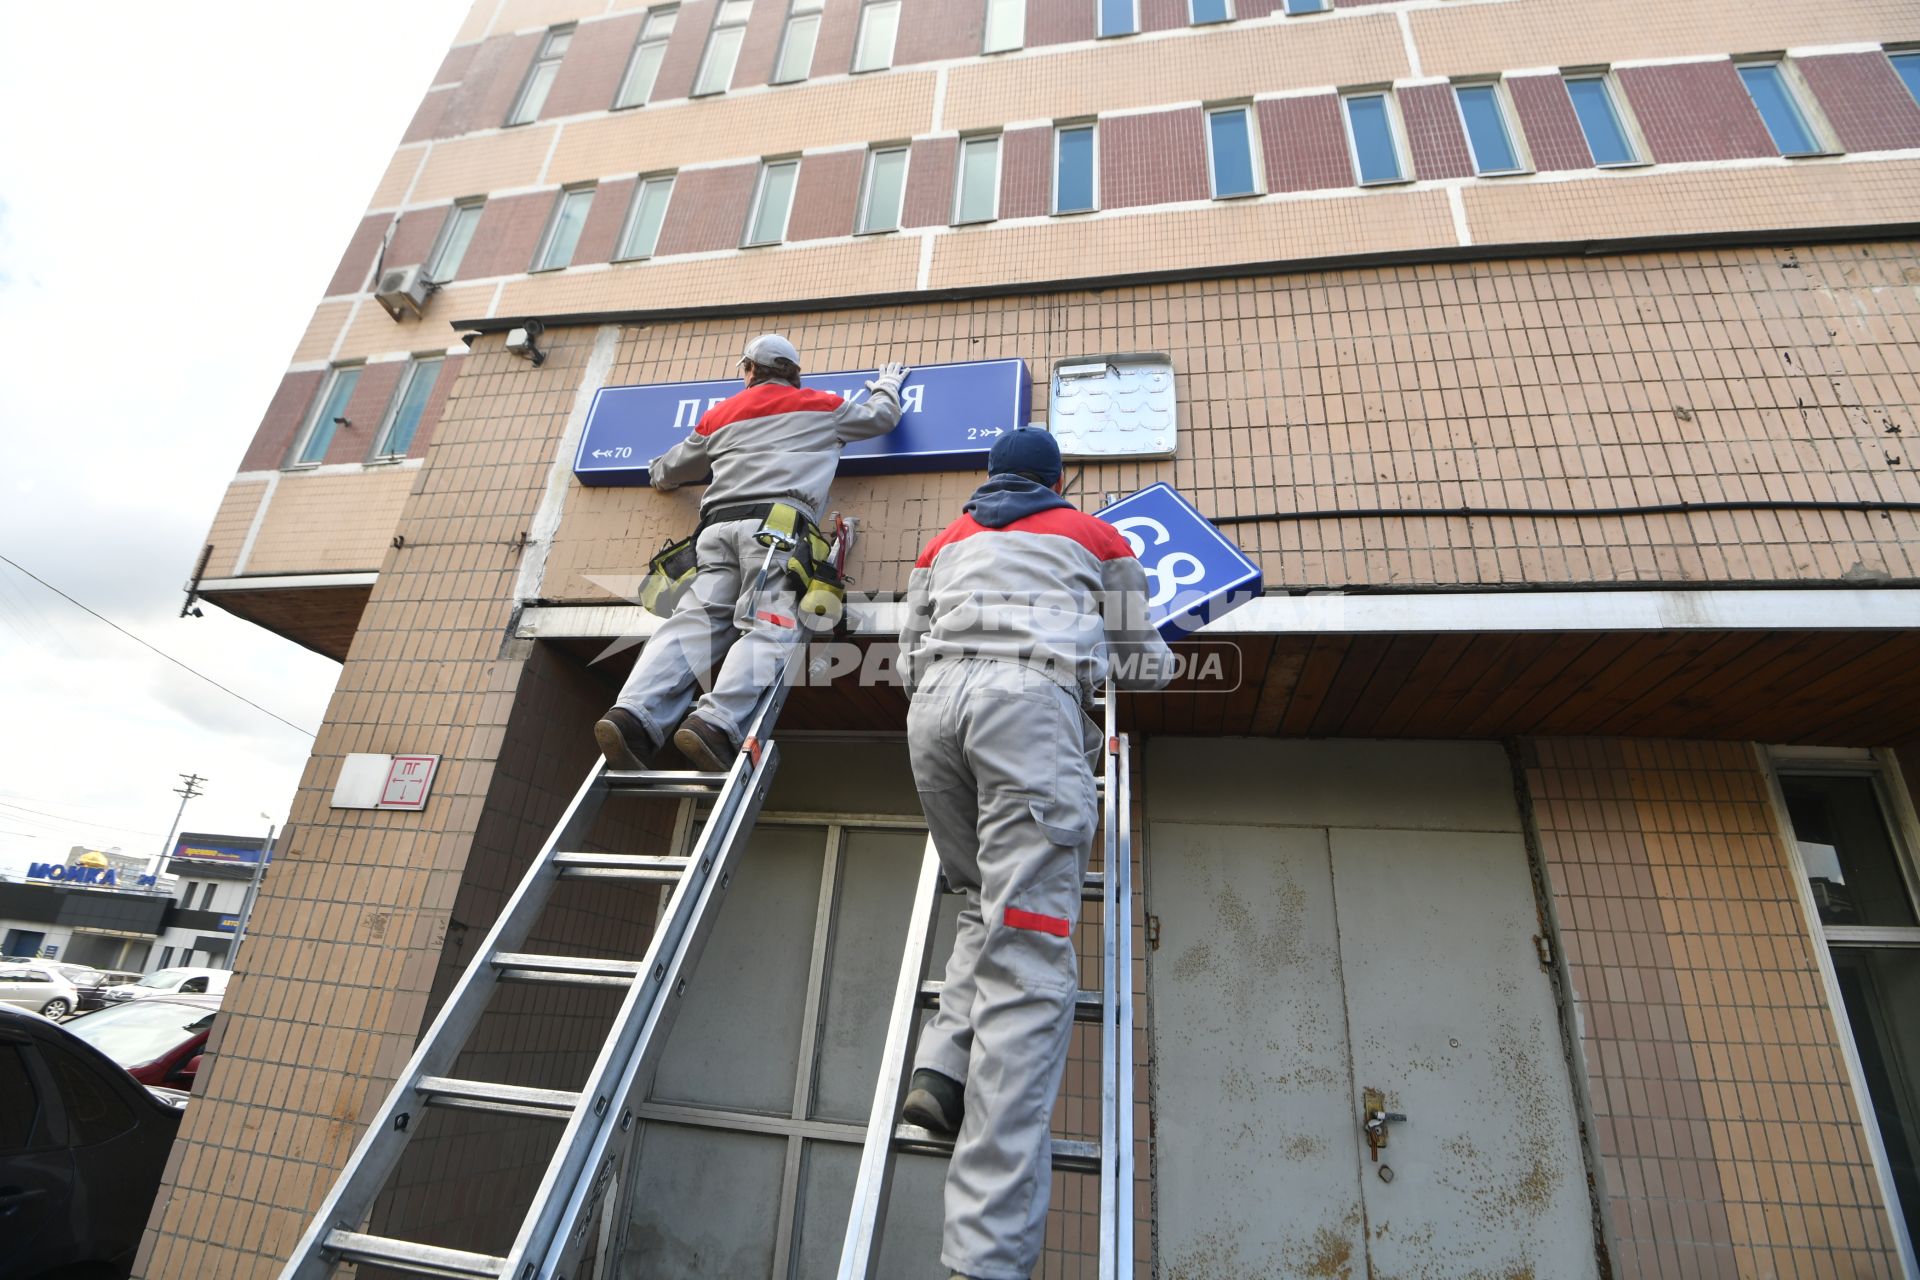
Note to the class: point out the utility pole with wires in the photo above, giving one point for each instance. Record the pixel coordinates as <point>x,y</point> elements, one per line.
<point>189,788</point>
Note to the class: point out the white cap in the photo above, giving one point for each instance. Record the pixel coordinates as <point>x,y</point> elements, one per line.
<point>769,348</point>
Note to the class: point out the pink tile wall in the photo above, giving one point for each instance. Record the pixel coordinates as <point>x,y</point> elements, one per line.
<point>413,239</point>
<point>607,215</point>
<point>1026,173</point>
<point>281,422</point>
<point>684,47</point>
<point>1153,158</point>
<point>1695,111</point>
<point>825,196</point>
<point>708,209</point>
<point>761,46</point>
<point>1304,143</point>
<point>1060,21</point>
<point>590,73</point>
<point>508,233</point>
<point>839,28</point>
<point>351,275</point>
<point>1554,139</point>
<point>365,409</point>
<point>929,199</point>
<point>1864,100</point>
<point>934,29</point>
<point>1434,135</point>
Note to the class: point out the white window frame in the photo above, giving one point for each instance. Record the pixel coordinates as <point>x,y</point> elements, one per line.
<point>706,54</point>
<point>1622,115</point>
<point>960,177</point>
<point>1396,129</point>
<point>860,227</point>
<point>640,184</point>
<point>552,228</point>
<point>1509,121</point>
<point>1053,203</point>
<point>542,59</point>
<point>1800,98</point>
<point>1020,27</point>
<point>1892,52</point>
<point>1256,159</point>
<point>796,11</point>
<point>620,102</point>
<point>1903,828</point>
<point>867,8</point>
<point>760,193</point>
<point>320,401</point>
<point>434,266</point>
<point>1298,9</point>
<point>381,452</point>
<point>1099,22</point>
<point>1193,19</point>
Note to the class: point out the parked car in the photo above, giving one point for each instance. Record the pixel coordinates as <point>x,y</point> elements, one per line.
<point>158,1040</point>
<point>82,1148</point>
<point>93,993</point>
<point>170,982</point>
<point>31,984</point>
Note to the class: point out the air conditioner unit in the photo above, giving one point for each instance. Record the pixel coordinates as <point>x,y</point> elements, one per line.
<point>403,288</point>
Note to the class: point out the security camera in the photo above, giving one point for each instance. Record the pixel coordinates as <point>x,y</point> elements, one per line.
<point>521,342</point>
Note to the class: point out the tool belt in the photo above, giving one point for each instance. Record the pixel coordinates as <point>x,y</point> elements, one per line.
<point>809,567</point>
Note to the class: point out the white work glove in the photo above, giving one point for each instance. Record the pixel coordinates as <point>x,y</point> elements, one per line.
<point>892,374</point>
<point>657,480</point>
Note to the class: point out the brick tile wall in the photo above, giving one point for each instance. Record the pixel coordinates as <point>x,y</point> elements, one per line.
<point>929,198</point>
<point>453,67</point>
<point>766,23</point>
<point>281,422</point>
<point>508,233</point>
<point>1729,1143</point>
<point>486,92</point>
<point>1061,21</point>
<point>365,410</point>
<point>931,30</point>
<point>414,236</point>
<point>357,262</point>
<point>1258,8</point>
<point>590,73</point>
<point>825,197</point>
<point>430,117</point>
<point>1154,158</point>
<point>708,209</point>
<point>1864,100</point>
<point>1164,15</point>
<point>1026,173</point>
<point>1304,143</point>
<point>1552,129</point>
<point>682,60</point>
<point>1434,135</point>
<point>839,31</point>
<point>608,213</point>
<point>1695,111</point>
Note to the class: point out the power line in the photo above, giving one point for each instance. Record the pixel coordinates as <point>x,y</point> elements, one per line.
<point>163,653</point>
<point>74,822</point>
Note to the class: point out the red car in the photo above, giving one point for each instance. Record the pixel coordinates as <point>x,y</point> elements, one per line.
<point>158,1040</point>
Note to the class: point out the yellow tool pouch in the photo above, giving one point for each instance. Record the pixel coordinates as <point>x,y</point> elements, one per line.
<point>669,574</point>
<point>822,591</point>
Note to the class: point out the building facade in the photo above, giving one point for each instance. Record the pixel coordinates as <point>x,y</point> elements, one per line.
<point>1558,367</point>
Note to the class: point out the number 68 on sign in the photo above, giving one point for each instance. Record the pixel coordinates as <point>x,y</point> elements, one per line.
<point>1194,573</point>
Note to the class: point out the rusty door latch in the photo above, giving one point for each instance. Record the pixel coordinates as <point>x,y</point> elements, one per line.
<point>1374,1119</point>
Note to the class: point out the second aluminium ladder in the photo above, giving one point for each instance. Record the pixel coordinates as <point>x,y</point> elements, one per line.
<point>1112,1156</point>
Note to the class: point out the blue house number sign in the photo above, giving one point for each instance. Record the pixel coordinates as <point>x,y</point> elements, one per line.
<point>1193,572</point>
<point>953,414</point>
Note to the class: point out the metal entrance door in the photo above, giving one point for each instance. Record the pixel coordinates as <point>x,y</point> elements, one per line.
<point>1339,918</point>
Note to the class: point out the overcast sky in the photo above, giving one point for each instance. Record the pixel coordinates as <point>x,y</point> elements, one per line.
<point>175,191</point>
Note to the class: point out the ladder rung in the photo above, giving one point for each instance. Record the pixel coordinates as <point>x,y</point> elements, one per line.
<point>417,1259</point>
<point>507,1099</point>
<point>666,782</point>
<point>1086,1004</point>
<point>658,869</point>
<point>573,971</point>
<point>1094,886</point>
<point>1068,1156</point>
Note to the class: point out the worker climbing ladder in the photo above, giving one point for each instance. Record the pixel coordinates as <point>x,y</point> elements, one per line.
<point>1112,1006</point>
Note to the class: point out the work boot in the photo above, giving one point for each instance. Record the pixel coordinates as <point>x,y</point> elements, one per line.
<point>705,744</point>
<point>935,1101</point>
<point>624,741</point>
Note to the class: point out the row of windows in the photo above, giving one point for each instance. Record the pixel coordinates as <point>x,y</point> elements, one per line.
<point>873,50</point>
<point>398,424</point>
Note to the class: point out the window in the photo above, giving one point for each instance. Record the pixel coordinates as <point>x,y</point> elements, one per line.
<point>649,211</point>
<point>1205,11</point>
<point>978,199</point>
<point>1117,18</point>
<point>563,229</point>
<point>206,896</point>
<point>329,411</point>
<point>533,94</point>
<point>644,68</point>
<point>1600,120</point>
<point>723,47</point>
<point>796,46</point>
<point>1907,67</point>
<point>166,957</point>
<point>1230,152</point>
<point>1488,135</point>
<point>886,182</point>
<point>1307,6</point>
<point>19,1101</point>
<point>1006,25</point>
<point>1372,138</point>
<point>443,264</point>
<point>879,24</point>
<point>409,402</point>
<point>1073,169</point>
<point>95,1113</point>
<point>1767,85</point>
<point>772,202</point>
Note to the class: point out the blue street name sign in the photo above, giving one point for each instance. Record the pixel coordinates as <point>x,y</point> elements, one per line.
<point>953,414</point>
<point>1193,572</point>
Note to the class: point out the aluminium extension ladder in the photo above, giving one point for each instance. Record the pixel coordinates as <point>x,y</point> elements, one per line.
<point>556,1236</point>
<point>1112,1006</point>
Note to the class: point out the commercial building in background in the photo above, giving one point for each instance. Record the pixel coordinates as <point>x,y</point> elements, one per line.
<point>1559,365</point>
<point>215,874</point>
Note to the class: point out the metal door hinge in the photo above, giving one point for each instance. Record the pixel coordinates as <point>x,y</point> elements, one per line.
<point>1153,932</point>
<point>1543,948</point>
